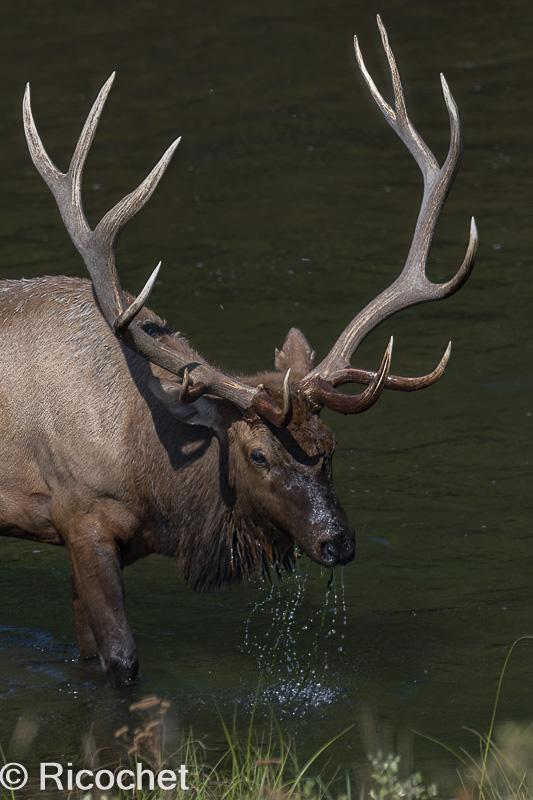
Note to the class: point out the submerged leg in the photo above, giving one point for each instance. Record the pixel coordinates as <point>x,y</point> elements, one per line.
<point>99,597</point>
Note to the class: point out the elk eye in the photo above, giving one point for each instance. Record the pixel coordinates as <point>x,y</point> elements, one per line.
<point>258,458</point>
<point>151,329</point>
<point>155,329</point>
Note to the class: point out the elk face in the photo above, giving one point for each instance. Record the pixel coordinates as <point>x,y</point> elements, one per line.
<point>278,480</point>
<point>283,479</point>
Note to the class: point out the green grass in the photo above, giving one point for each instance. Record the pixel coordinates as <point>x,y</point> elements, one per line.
<point>252,766</point>
<point>265,766</point>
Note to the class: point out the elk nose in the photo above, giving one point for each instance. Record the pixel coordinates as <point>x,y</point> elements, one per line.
<point>338,551</point>
<point>347,551</point>
<point>330,550</point>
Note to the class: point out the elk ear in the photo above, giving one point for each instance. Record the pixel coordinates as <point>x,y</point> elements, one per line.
<point>296,354</point>
<point>203,411</point>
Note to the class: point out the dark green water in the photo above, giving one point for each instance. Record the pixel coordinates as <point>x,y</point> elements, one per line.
<point>290,202</point>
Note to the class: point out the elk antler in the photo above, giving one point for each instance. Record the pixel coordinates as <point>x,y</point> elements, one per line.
<point>412,285</point>
<point>97,248</point>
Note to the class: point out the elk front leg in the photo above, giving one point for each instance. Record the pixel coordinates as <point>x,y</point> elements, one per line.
<point>99,598</point>
<point>86,641</point>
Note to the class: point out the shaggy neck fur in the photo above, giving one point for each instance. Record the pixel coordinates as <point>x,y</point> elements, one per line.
<point>221,539</point>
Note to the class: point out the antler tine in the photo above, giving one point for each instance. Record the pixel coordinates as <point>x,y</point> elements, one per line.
<point>382,104</point>
<point>398,382</point>
<point>81,151</point>
<point>412,285</point>
<point>124,319</point>
<point>115,219</point>
<point>42,161</point>
<point>322,393</point>
<point>97,248</point>
<point>449,287</point>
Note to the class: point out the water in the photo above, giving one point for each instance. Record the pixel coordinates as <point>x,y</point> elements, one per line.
<point>293,646</point>
<point>290,202</point>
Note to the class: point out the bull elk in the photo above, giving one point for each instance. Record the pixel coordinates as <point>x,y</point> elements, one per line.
<point>119,440</point>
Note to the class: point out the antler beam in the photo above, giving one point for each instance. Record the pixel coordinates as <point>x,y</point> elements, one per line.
<point>412,285</point>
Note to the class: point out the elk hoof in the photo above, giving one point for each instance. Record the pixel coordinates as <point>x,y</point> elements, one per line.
<point>122,669</point>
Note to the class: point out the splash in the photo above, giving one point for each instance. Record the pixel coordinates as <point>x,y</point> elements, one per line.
<point>296,643</point>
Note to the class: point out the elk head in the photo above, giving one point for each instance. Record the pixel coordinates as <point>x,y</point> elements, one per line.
<point>280,451</point>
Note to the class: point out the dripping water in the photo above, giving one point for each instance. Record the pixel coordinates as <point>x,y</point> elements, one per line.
<point>295,644</point>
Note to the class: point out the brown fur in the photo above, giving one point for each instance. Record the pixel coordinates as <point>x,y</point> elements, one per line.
<point>91,459</point>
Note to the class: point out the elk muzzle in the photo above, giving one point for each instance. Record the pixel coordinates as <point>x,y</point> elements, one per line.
<point>328,537</point>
